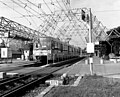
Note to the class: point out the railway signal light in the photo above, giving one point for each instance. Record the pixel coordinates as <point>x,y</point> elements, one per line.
<point>83,15</point>
<point>87,18</point>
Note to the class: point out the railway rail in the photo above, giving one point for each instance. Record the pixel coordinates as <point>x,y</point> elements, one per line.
<point>18,67</point>
<point>8,88</point>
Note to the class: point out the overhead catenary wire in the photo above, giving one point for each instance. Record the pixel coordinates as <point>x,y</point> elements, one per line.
<point>50,10</point>
<point>53,3</point>
<point>71,11</point>
<point>71,16</point>
<point>49,18</point>
<point>48,7</point>
<point>27,9</point>
<point>32,19</point>
<point>101,11</point>
<point>35,10</point>
<point>14,10</point>
<point>63,10</point>
<point>34,30</point>
<point>27,0</point>
<point>44,13</point>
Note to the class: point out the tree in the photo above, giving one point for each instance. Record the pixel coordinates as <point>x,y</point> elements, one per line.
<point>116,45</point>
<point>103,50</point>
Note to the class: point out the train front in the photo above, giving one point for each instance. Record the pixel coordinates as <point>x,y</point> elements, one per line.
<point>42,50</point>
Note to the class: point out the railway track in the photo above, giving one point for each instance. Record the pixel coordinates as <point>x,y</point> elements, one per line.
<point>32,65</point>
<point>19,67</point>
<point>12,86</point>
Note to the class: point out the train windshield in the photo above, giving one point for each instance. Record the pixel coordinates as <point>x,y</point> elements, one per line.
<point>45,43</point>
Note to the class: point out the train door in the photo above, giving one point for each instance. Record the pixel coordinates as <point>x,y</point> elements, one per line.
<point>31,51</point>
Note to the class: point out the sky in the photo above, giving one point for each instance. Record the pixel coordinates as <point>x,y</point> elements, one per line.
<point>106,11</point>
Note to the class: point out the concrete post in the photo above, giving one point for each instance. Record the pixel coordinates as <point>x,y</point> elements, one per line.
<point>86,61</point>
<point>101,61</point>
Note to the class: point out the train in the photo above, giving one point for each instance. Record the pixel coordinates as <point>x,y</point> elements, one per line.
<point>49,49</point>
<point>44,50</point>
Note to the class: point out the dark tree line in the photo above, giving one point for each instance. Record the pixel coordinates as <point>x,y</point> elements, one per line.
<point>114,40</point>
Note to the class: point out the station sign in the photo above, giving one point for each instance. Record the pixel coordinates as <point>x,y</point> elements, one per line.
<point>54,82</point>
<point>6,53</point>
<point>90,48</point>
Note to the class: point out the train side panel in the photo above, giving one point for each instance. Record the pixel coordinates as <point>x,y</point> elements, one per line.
<point>49,49</point>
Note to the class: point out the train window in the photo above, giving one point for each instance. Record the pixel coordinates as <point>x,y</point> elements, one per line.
<point>56,45</point>
<point>61,47</point>
<point>52,44</point>
<point>45,43</point>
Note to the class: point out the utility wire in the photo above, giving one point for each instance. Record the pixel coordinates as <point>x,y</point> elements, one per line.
<point>14,10</point>
<point>32,19</point>
<point>107,10</point>
<point>26,9</point>
<point>44,14</point>
<point>48,6</point>
<point>71,17</point>
<point>20,6</point>
<point>53,3</point>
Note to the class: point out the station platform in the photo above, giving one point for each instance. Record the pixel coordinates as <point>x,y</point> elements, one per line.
<point>15,63</point>
<point>107,69</point>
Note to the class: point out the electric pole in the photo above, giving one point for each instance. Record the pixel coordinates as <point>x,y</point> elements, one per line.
<point>90,41</point>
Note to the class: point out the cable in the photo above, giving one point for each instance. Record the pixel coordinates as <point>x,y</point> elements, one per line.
<point>63,9</point>
<point>44,14</point>
<point>23,26</point>
<point>72,13</point>
<point>107,10</point>
<point>54,4</point>
<point>48,6</point>
<point>32,19</point>
<point>14,10</point>
<point>45,3</point>
<point>75,26</point>
<point>50,11</point>
<point>26,9</point>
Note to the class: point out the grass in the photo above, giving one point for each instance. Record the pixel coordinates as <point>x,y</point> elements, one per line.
<point>89,86</point>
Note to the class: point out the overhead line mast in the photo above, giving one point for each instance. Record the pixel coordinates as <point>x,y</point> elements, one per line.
<point>90,41</point>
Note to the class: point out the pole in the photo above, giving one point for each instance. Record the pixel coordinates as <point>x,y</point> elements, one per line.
<point>53,58</point>
<point>90,41</point>
<point>47,55</point>
<point>90,25</point>
<point>47,58</point>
